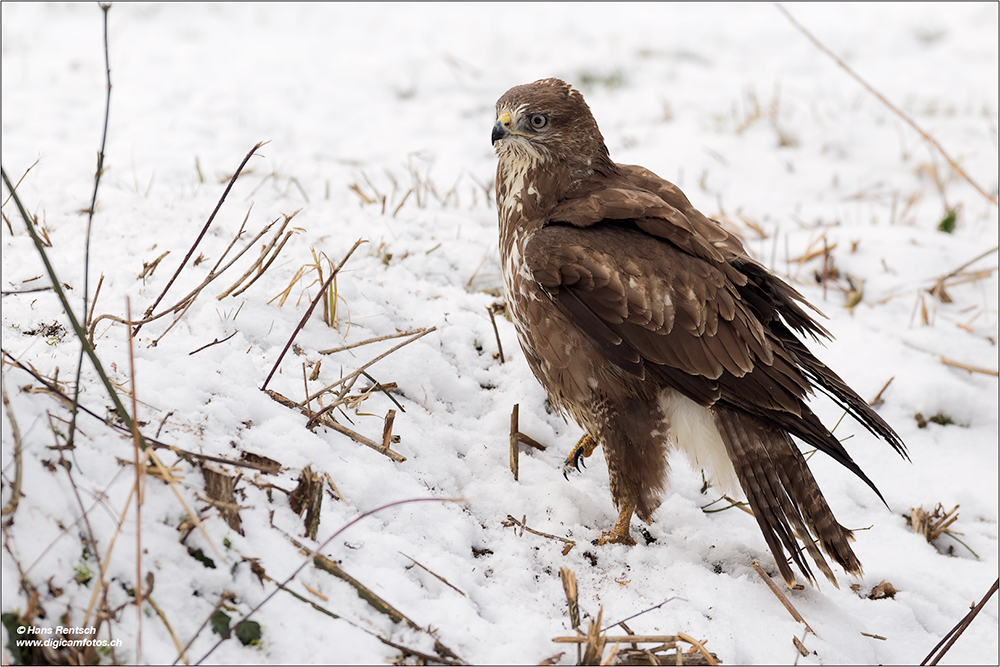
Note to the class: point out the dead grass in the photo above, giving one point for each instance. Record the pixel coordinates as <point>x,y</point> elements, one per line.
<point>748,112</point>
<point>390,191</point>
<point>323,267</point>
<point>935,523</point>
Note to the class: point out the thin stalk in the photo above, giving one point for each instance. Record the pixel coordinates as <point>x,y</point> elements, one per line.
<point>90,219</point>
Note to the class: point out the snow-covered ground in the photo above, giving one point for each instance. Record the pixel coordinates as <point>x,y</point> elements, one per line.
<point>759,127</point>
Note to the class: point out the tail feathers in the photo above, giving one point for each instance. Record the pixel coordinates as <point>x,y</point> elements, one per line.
<point>786,501</point>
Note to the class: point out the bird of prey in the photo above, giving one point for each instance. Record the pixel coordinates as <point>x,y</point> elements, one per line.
<point>653,328</point>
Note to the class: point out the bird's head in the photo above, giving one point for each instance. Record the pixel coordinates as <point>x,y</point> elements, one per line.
<point>548,121</point>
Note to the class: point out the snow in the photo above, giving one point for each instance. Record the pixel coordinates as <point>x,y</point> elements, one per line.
<point>731,102</point>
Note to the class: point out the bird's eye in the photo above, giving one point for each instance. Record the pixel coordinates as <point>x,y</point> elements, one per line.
<point>538,121</point>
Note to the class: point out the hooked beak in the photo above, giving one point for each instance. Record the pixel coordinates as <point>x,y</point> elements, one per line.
<point>501,130</point>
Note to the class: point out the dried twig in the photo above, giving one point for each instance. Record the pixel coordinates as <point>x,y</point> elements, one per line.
<point>435,574</point>
<point>968,264</point>
<point>877,401</point>
<point>387,429</point>
<point>496,332</point>
<point>357,437</point>
<point>669,640</point>
<point>149,267</point>
<point>517,437</point>
<point>352,401</point>
<point>511,521</point>
<point>710,658</point>
<point>572,601</point>
<point>644,611</point>
<point>406,650</point>
<point>781,596</point>
<point>515,451</point>
<point>333,488</point>
<point>966,367</point>
<point>330,567</point>
<point>595,641</point>
<point>732,503</point>
<point>93,304</point>
<point>385,389</point>
<point>204,230</point>
<point>322,420</point>
<point>398,334</point>
<point>137,448</point>
<point>420,333</point>
<point>921,132</point>
<point>214,342</point>
<point>27,291</point>
<point>33,164</point>
<point>15,489</point>
<point>268,250</point>
<point>105,7</point>
<point>941,282</point>
<point>957,631</point>
<point>956,364</point>
<point>531,442</point>
<point>237,237</point>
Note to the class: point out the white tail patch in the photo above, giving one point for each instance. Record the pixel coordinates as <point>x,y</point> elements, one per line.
<point>693,431</point>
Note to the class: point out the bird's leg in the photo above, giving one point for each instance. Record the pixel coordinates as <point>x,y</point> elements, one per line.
<point>585,446</point>
<point>620,534</point>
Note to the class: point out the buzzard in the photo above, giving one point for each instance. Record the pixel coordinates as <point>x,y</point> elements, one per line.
<point>650,325</point>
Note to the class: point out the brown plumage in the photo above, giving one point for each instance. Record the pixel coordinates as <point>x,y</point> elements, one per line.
<point>650,325</point>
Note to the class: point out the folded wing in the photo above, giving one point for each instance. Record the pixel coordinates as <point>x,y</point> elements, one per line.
<point>665,292</point>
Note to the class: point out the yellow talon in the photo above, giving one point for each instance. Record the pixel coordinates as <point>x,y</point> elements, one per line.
<point>620,534</point>
<point>584,447</point>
